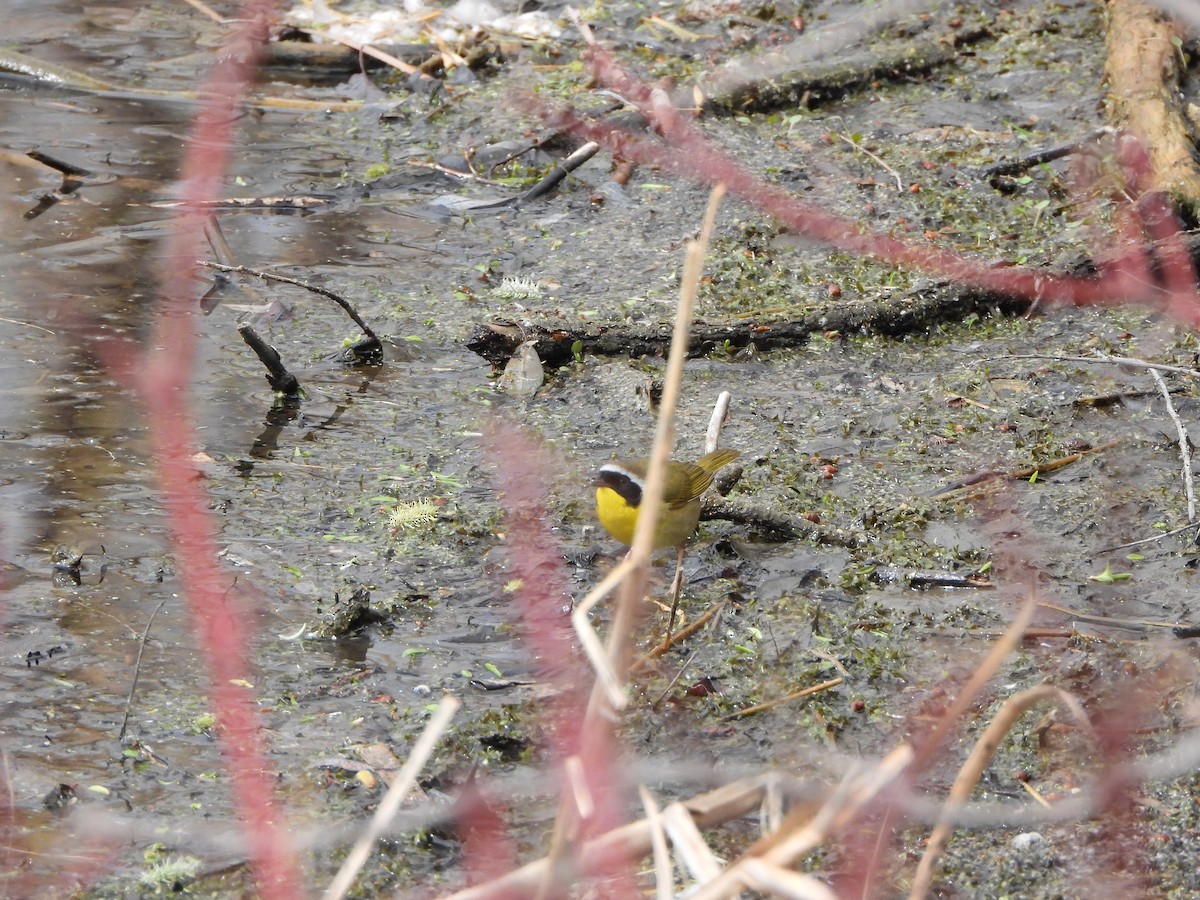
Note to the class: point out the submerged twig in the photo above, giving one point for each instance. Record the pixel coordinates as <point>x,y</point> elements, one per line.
<point>61,77</point>
<point>1149,540</point>
<point>137,670</point>
<point>857,145</point>
<point>1130,361</point>
<point>1114,621</point>
<point>1023,473</point>
<point>1045,155</point>
<point>368,350</point>
<point>559,171</point>
<point>924,579</point>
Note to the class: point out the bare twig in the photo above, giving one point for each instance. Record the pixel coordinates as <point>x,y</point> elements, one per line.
<point>560,171</point>
<point>687,631</point>
<point>1112,621</point>
<point>1150,540</point>
<point>1045,155</point>
<point>1023,473</point>
<point>1185,447</point>
<point>278,375</point>
<point>1110,360</point>
<point>371,346</point>
<point>674,681</point>
<point>863,150</point>
<point>712,438</point>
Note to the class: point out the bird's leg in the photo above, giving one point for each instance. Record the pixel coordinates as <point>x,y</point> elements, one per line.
<point>676,585</point>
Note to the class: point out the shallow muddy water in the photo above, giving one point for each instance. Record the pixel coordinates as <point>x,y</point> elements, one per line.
<point>862,433</point>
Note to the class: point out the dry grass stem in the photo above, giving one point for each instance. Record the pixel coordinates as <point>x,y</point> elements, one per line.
<point>771,811</point>
<point>634,840</point>
<point>205,10</point>
<point>664,876</point>
<point>972,771</point>
<point>1035,794</point>
<point>769,879</point>
<point>1007,643</point>
<point>857,145</point>
<point>390,804</point>
<point>697,857</point>
<point>800,834</point>
<point>381,55</point>
<point>609,685</point>
<point>686,632</point>
<point>787,698</point>
<point>607,679</point>
<point>577,781</point>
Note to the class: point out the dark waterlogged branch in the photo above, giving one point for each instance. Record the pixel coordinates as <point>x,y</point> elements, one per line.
<point>559,342</point>
<point>548,182</point>
<point>278,376</point>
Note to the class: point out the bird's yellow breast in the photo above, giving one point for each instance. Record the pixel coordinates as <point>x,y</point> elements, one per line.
<point>618,517</point>
<point>675,522</point>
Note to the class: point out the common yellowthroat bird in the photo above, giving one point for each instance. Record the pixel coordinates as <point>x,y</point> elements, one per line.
<point>619,488</point>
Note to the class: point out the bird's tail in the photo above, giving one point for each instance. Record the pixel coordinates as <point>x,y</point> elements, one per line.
<point>717,460</point>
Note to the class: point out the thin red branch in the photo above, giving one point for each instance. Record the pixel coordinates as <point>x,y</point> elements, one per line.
<point>543,600</point>
<point>687,152</point>
<point>165,373</point>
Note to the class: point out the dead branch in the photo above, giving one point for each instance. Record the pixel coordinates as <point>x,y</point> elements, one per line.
<point>1144,71</point>
<point>799,74</point>
<point>785,523</point>
<point>916,313</point>
<point>278,375</point>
